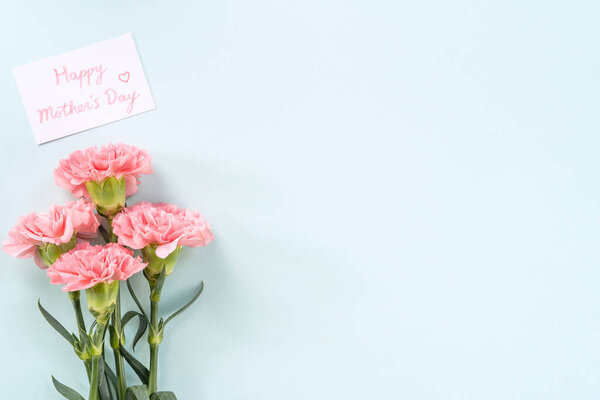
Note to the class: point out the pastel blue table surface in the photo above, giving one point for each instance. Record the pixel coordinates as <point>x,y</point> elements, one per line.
<point>404,196</point>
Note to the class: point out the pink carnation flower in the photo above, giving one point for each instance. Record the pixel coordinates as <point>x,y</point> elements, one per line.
<point>85,222</point>
<point>164,225</point>
<point>87,265</point>
<point>57,227</point>
<point>96,164</point>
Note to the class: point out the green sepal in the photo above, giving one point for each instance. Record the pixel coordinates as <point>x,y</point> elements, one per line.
<point>62,331</point>
<point>138,392</point>
<point>189,303</point>
<point>108,195</point>
<point>163,396</point>
<point>66,391</point>
<point>143,324</point>
<point>157,264</point>
<point>139,369</point>
<point>50,252</point>
<point>101,299</point>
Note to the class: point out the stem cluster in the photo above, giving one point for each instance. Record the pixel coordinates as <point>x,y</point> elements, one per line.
<point>104,303</point>
<point>96,349</point>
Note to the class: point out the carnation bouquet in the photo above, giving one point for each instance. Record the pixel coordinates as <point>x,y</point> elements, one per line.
<point>95,244</point>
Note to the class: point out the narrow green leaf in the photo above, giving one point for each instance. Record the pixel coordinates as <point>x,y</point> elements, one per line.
<point>137,301</point>
<point>103,386</point>
<point>85,339</point>
<point>57,325</point>
<point>140,332</point>
<point>66,391</point>
<point>139,392</point>
<point>99,336</point>
<point>163,396</point>
<point>161,280</point>
<point>182,309</point>
<point>141,327</point>
<point>141,371</point>
<point>129,315</point>
<point>92,327</point>
<point>112,380</point>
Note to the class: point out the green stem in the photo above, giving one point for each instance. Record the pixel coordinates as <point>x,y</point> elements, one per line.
<point>153,381</point>
<point>154,339</point>
<point>75,301</point>
<point>116,320</point>
<point>95,377</point>
<point>96,360</point>
<point>112,237</point>
<point>119,365</point>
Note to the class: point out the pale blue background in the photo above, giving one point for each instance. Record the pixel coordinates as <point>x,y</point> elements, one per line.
<point>404,194</point>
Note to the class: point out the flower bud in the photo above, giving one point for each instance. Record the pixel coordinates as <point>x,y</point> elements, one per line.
<point>156,264</point>
<point>102,299</point>
<point>114,337</point>
<point>49,252</point>
<point>108,195</point>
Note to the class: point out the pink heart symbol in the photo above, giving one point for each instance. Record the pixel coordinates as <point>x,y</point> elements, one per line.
<point>124,77</point>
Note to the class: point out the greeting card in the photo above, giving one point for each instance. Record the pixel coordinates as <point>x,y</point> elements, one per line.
<point>84,88</point>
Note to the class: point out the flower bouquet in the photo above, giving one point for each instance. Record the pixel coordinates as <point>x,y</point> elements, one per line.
<point>95,244</point>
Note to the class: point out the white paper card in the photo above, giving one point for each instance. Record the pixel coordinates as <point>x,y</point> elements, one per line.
<point>84,88</point>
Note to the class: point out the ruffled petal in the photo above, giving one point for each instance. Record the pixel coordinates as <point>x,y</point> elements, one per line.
<point>164,250</point>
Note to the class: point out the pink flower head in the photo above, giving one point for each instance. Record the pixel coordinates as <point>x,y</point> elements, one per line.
<point>164,225</point>
<point>96,164</point>
<point>85,222</point>
<point>87,265</point>
<point>57,227</point>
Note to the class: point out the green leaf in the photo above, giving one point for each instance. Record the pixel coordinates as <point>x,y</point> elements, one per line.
<point>129,315</point>
<point>140,332</point>
<point>56,325</point>
<point>139,392</point>
<point>163,396</point>
<point>66,391</point>
<point>141,327</point>
<point>182,309</point>
<point>161,280</point>
<point>112,380</point>
<point>93,326</point>
<point>141,371</point>
<point>103,384</point>
<point>99,336</point>
<point>137,301</point>
<point>85,339</point>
